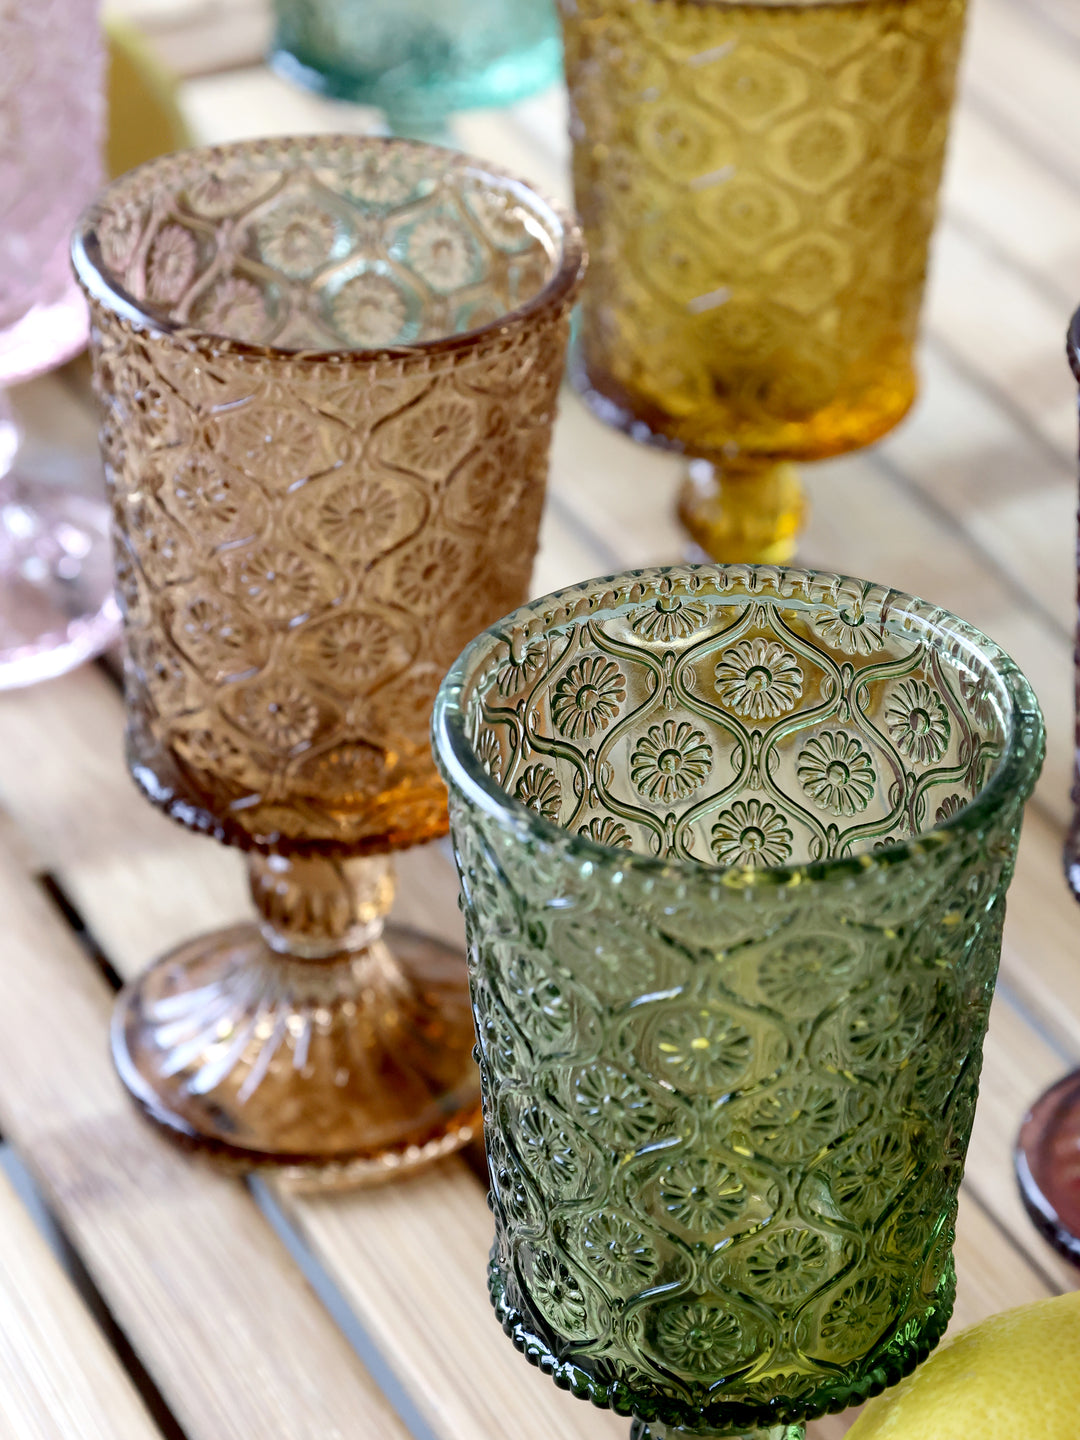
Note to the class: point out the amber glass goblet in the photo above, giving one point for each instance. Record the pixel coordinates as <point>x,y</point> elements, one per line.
<point>734,845</point>
<point>1048,1147</point>
<point>329,370</point>
<point>758,185</point>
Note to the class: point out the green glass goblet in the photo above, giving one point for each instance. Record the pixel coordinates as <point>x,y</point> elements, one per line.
<point>734,843</point>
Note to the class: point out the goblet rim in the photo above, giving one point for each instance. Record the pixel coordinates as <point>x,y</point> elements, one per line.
<point>553,298</point>
<point>1007,789</point>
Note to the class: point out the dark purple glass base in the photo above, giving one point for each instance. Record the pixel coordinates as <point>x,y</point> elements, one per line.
<point>1048,1165</point>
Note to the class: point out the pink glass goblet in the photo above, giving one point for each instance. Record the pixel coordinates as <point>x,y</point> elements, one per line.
<point>56,603</point>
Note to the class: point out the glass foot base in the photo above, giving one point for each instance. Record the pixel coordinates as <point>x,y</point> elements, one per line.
<point>1048,1165</point>
<point>747,516</point>
<point>346,1071</point>
<point>56,581</point>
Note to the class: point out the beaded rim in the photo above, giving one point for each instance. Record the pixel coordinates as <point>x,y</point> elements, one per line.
<point>171,171</point>
<point>882,1371</point>
<point>1010,784</point>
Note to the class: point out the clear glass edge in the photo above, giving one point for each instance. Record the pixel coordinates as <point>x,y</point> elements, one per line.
<point>1012,781</point>
<point>557,295</point>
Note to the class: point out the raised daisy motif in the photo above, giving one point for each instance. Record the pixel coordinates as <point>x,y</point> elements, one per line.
<point>235,308</point>
<point>670,761</point>
<point>622,1113</point>
<point>617,1251</point>
<point>489,753</point>
<point>836,772</point>
<point>758,678</point>
<point>871,1173</point>
<point>369,311</point>
<point>858,1315</point>
<point>668,618</point>
<point>950,806</point>
<point>848,629</point>
<point>540,790</point>
<point>442,253</point>
<point>607,832</point>
<point>702,1195</point>
<point>701,1049</point>
<point>526,661</point>
<point>787,1265</point>
<point>751,832</point>
<point>296,238</point>
<point>558,1294</point>
<point>587,697</point>
<point>281,715</point>
<point>699,1338</point>
<point>917,721</point>
<point>170,268</point>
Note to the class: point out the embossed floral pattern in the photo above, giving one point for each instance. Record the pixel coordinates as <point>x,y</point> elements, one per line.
<point>702,1195</point>
<point>917,721</point>
<point>489,753</point>
<point>370,310</point>
<point>795,1122</point>
<point>234,307</point>
<point>798,972</point>
<point>871,1173</point>
<point>758,678</point>
<point>751,1075</point>
<point>540,790</point>
<point>885,1027</point>
<point>558,1294</point>
<point>787,1264</point>
<point>751,832</point>
<point>588,697</point>
<point>171,264</point>
<point>670,761</point>
<point>617,1251</point>
<point>836,772</point>
<point>359,518</point>
<point>277,583</point>
<point>524,665</point>
<point>306,583</point>
<point>296,238</point>
<point>282,716</point>
<point>669,618</point>
<point>624,1114</point>
<point>607,832</point>
<point>701,1049</point>
<point>848,628</point>
<point>442,443</point>
<point>702,1339</point>
<point>858,1315</point>
<point>357,648</point>
<point>950,806</point>
<point>441,253</point>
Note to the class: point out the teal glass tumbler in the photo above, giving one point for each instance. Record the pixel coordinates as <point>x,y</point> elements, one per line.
<point>418,60</point>
<point>734,843</point>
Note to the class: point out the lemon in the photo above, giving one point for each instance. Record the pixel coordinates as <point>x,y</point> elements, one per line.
<point>1012,1376</point>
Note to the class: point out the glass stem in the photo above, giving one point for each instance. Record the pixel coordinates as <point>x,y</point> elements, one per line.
<point>750,512</point>
<point>318,907</point>
<point>640,1431</point>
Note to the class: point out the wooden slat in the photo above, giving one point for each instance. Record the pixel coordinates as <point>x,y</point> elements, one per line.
<point>58,1377</point>
<point>1025,81</point>
<point>218,1312</point>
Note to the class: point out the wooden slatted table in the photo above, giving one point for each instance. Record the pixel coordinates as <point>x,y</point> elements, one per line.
<point>190,1304</point>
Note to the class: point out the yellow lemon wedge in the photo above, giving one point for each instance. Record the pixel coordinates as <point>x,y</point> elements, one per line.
<point>144,118</point>
<point>1013,1376</point>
